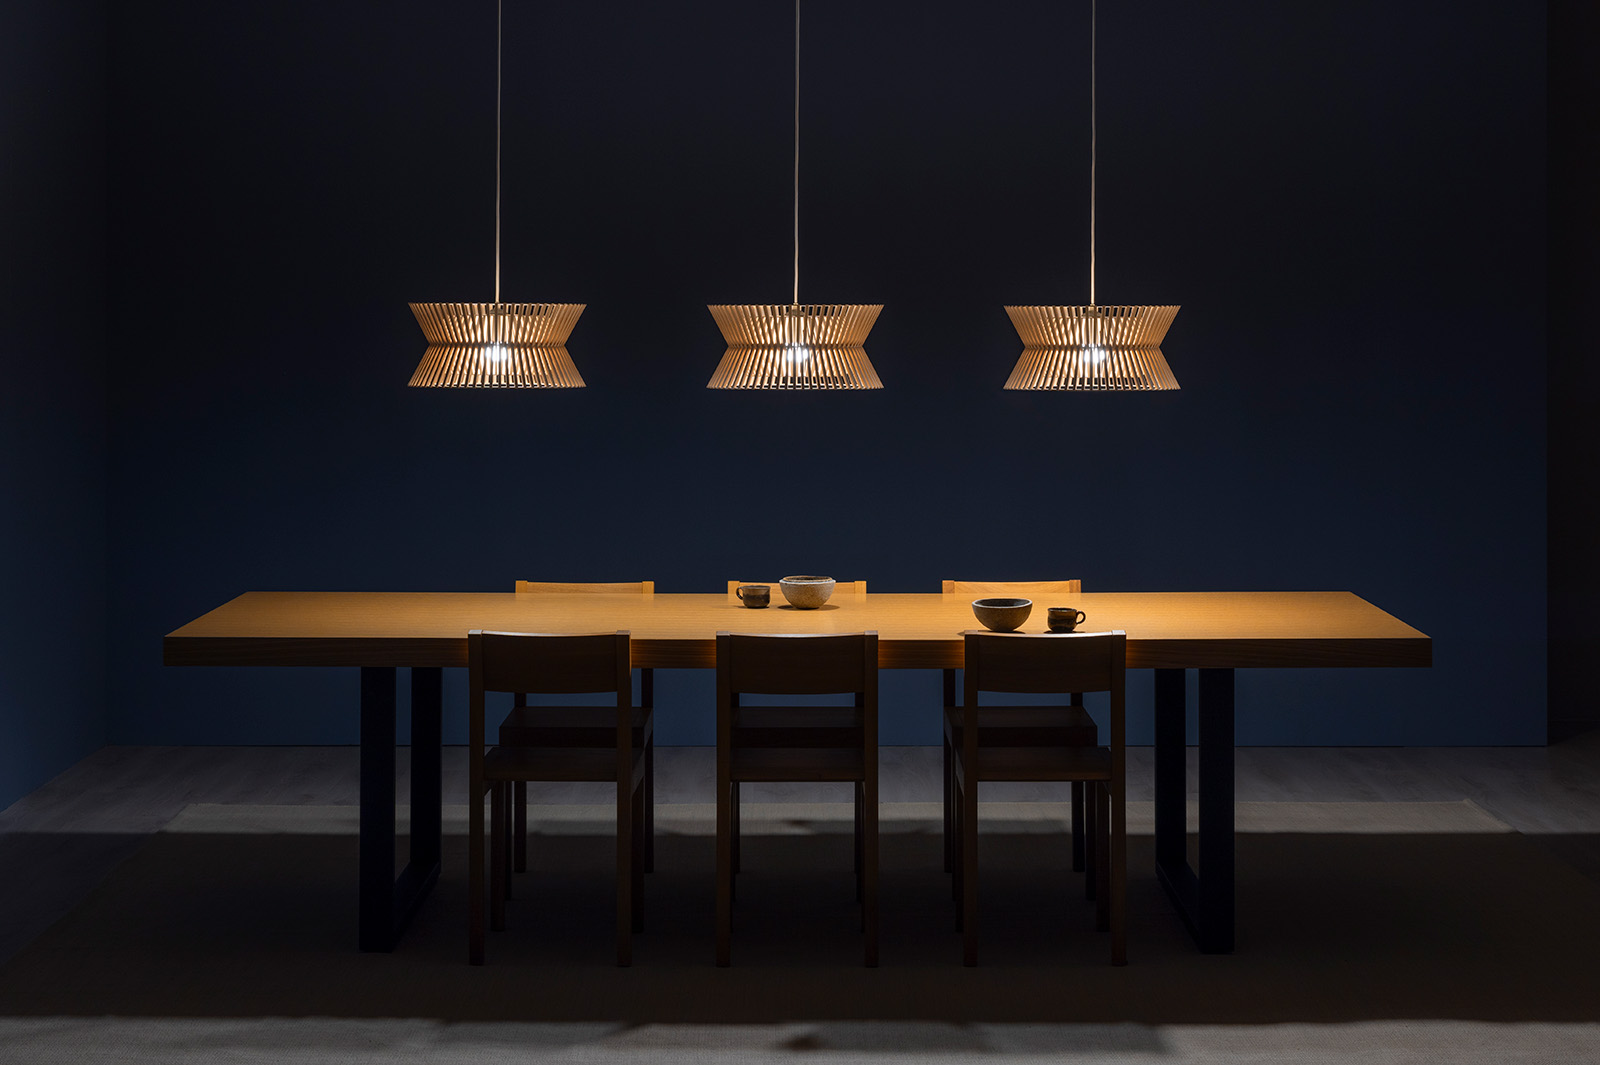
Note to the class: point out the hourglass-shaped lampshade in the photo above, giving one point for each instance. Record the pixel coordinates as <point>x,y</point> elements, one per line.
<point>797,346</point>
<point>1092,349</point>
<point>497,345</point>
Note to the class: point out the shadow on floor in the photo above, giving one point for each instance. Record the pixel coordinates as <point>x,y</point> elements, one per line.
<point>1334,926</point>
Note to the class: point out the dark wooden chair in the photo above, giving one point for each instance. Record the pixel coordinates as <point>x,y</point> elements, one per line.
<point>1063,726</point>
<point>1044,663</point>
<point>582,726</point>
<point>555,664</point>
<point>842,747</point>
<point>806,726</point>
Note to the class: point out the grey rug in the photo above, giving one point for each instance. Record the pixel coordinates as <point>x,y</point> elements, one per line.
<point>1387,930</point>
<point>321,1041</point>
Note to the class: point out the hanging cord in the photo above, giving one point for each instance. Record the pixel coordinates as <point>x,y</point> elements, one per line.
<point>796,153</point>
<point>1093,137</point>
<point>499,19</point>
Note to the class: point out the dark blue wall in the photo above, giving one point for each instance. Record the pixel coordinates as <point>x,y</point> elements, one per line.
<point>52,399</point>
<point>1348,200</point>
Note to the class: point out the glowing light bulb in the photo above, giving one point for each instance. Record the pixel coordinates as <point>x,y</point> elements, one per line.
<point>1095,353</point>
<point>794,353</point>
<point>494,354</point>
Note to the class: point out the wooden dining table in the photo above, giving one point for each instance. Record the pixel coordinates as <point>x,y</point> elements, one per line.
<point>379,633</point>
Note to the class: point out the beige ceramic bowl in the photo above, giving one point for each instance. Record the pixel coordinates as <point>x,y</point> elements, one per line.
<point>806,593</point>
<point>1002,615</point>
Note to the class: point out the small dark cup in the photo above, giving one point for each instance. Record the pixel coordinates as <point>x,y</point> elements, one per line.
<point>754,595</point>
<point>1064,618</point>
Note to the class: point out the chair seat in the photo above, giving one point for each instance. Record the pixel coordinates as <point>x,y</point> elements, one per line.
<point>1038,763</point>
<point>571,726</point>
<point>796,764</point>
<point>1027,726</point>
<point>797,726</point>
<point>566,763</point>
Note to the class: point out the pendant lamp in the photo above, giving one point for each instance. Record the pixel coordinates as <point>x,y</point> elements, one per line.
<point>497,345</point>
<point>1095,348</point>
<point>795,346</point>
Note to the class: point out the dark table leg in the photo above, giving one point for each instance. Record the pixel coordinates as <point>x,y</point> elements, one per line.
<point>427,744</point>
<point>1216,811</point>
<point>386,903</point>
<point>1204,901</point>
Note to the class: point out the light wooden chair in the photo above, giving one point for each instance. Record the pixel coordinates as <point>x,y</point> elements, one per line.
<point>1026,589</point>
<point>1045,663</point>
<point>856,589</point>
<point>535,662</point>
<point>582,726</point>
<point>570,588</point>
<point>1066,726</point>
<point>805,665</point>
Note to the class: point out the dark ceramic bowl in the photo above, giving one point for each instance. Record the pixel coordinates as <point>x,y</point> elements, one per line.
<point>1002,615</point>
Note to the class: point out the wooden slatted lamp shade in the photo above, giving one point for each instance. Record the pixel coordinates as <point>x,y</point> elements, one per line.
<point>497,345</point>
<point>795,347</point>
<point>1092,349</point>
<point>1096,348</point>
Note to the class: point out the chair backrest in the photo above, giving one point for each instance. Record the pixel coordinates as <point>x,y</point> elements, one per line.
<point>796,664</point>
<point>642,587</point>
<point>855,588</point>
<point>550,663</point>
<point>1044,662</point>
<point>1027,589</point>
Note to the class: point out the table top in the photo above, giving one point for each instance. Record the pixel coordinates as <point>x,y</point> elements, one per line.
<point>1166,630</point>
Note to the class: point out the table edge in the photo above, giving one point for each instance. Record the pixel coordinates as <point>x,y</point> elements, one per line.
<point>1244,653</point>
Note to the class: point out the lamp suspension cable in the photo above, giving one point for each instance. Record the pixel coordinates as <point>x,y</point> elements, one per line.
<point>1090,348</point>
<point>789,346</point>
<point>796,153</point>
<point>497,345</point>
<point>499,59</point>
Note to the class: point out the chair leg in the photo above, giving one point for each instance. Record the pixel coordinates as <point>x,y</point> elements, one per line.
<point>1117,880</point>
<point>1102,862</point>
<point>1091,857</point>
<point>724,871</point>
<point>956,836</point>
<point>520,832</point>
<point>650,806</point>
<point>505,843</point>
<point>969,873</point>
<point>626,833</point>
<point>869,862</point>
<point>497,856</point>
<point>856,844</point>
<point>647,699</point>
<point>949,814</point>
<point>640,849</point>
<point>735,829</point>
<point>1077,826</point>
<point>475,885</point>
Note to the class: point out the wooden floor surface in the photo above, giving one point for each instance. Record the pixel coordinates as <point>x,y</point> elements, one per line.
<point>63,838</point>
